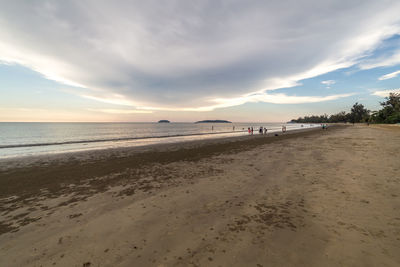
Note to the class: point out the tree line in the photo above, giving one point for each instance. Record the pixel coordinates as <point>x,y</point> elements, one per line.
<point>389,113</point>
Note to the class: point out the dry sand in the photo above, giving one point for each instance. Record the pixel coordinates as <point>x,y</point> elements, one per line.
<point>316,198</point>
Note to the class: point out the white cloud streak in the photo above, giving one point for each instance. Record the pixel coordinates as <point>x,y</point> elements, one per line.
<point>181,55</point>
<point>385,93</point>
<point>257,97</point>
<point>120,111</point>
<point>384,61</point>
<point>389,75</point>
<point>278,99</point>
<point>328,83</point>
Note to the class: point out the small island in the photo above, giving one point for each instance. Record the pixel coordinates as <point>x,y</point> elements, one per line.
<point>163,121</point>
<point>213,121</point>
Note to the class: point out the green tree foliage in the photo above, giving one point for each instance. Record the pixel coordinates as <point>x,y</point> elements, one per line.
<point>339,117</point>
<point>390,113</point>
<point>359,113</point>
<point>313,119</point>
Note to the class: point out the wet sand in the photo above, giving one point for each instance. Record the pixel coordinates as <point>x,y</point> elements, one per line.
<point>311,198</point>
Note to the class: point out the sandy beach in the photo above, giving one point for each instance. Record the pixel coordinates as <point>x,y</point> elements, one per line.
<point>309,198</point>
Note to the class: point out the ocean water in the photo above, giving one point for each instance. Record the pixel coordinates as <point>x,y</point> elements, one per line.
<point>19,139</point>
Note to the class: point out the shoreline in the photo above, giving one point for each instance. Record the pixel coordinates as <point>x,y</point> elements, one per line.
<point>39,171</point>
<point>29,148</point>
<point>312,198</point>
<point>24,161</point>
<point>116,139</point>
<point>26,179</point>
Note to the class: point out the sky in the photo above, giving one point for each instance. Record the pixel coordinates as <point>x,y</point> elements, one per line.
<point>244,61</point>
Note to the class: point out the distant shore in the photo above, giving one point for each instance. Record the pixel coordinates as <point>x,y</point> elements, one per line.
<point>316,197</point>
<point>213,121</point>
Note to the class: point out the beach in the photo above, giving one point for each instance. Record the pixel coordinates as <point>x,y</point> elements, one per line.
<point>306,198</point>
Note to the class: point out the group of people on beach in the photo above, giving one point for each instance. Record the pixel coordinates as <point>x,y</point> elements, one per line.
<point>261,130</point>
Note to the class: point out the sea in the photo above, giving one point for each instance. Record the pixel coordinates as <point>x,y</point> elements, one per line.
<point>21,139</point>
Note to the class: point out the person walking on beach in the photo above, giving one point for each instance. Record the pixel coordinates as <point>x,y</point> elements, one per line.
<point>252,130</point>
<point>283,129</point>
<point>248,129</point>
<point>265,131</point>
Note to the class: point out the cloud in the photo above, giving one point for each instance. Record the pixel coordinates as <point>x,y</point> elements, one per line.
<point>120,111</point>
<point>257,97</point>
<point>26,114</point>
<point>383,61</point>
<point>181,55</point>
<point>328,83</point>
<point>385,93</point>
<point>115,99</point>
<point>389,75</point>
<point>277,99</point>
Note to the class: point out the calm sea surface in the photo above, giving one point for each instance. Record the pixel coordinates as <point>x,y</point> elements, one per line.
<point>26,139</point>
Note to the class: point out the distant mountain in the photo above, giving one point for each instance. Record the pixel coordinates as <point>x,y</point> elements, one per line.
<point>213,121</point>
<point>163,121</point>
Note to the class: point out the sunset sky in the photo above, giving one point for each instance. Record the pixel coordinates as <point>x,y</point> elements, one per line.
<point>267,61</point>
